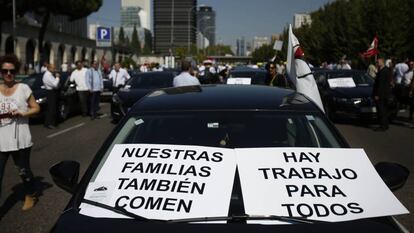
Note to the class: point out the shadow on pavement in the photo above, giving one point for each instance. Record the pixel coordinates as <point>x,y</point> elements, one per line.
<point>18,195</point>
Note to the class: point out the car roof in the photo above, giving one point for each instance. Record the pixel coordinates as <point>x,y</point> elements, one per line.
<point>224,97</point>
<point>154,73</point>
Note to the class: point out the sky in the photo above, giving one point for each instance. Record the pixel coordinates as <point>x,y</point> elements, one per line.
<point>234,18</point>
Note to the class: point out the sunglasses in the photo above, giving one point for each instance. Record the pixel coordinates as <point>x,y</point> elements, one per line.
<point>6,71</point>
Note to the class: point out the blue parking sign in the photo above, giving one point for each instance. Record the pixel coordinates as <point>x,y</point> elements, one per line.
<point>103,36</point>
<point>103,33</point>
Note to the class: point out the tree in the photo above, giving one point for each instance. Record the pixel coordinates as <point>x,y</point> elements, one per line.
<point>263,53</point>
<point>219,50</point>
<point>135,44</point>
<point>74,9</point>
<point>121,37</point>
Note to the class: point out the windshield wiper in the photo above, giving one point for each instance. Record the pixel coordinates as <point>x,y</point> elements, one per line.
<point>123,211</point>
<point>294,220</point>
<point>120,210</point>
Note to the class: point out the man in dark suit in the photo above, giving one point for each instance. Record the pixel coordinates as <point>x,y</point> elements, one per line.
<point>381,93</point>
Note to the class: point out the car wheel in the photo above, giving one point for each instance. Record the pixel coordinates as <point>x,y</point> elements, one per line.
<point>63,110</point>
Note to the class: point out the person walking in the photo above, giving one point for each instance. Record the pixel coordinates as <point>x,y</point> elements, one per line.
<point>185,78</point>
<point>51,83</point>
<point>79,77</point>
<point>381,93</point>
<point>17,104</point>
<point>118,76</point>
<point>94,82</point>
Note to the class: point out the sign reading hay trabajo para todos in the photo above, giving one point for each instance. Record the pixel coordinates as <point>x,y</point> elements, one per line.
<point>164,181</point>
<point>317,183</point>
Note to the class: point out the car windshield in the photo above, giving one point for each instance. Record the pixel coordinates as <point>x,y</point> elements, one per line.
<point>34,82</point>
<point>229,129</point>
<point>151,80</point>
<point>225,129</point>
<point>359,78</point>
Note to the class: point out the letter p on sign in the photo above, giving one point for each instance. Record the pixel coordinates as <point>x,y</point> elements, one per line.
<point>104,33</point>
<point>103,37</point>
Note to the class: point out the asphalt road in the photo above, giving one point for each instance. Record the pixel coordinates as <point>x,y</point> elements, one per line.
<point>79,139</point>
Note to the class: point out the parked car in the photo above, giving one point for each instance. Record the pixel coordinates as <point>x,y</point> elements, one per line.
<point>346,92</point>
<point>212,116</point>
<point>137,87</point>
<point>246,75</point>
<point>68,102</point>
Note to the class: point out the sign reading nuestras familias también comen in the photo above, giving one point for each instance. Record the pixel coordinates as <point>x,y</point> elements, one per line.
<point>164,181</point>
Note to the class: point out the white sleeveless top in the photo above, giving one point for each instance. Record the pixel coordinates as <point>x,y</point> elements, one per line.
<point>15,132</point>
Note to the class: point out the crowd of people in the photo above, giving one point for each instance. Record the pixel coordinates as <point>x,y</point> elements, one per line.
<point>393,83</point>
<point>89,84</point>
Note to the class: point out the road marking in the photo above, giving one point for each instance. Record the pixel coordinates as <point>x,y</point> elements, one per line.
<point>66,130</point>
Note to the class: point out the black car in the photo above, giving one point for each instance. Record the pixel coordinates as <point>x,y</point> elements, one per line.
<point>214,116</point>
<point>68,102</point>
<point>137,87</point>
<point>247,75</point>
<point>346,92</point>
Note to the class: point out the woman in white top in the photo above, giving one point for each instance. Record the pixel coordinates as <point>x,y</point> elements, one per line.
<point>16,105</point>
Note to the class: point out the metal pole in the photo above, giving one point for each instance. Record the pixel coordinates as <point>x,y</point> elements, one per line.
<point>172,27</point>
<point>14,26</point>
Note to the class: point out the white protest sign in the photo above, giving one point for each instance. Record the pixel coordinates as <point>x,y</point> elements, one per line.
<point>317,183</point>
<point>278,45</point>
<point>164,182</point>
<point>341,82</point>
<point>239,81</point>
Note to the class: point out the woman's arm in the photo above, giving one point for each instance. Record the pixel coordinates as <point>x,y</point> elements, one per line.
<point>34,108</point>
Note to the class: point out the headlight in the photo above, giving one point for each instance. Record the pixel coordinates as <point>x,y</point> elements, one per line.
<point>41,100</point>
<point>357,100</point>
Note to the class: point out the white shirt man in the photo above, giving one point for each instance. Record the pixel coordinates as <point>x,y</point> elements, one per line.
<point>79,77</point>
<point>119,77</point>
<point>49,81</point>
<point>185,79</point>
<point>400,69</point>
<point>408,76</point>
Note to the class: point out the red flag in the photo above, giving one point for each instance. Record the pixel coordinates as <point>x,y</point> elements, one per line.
<point>372,50</point>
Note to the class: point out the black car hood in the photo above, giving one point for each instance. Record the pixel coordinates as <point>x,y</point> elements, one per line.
<point>354,92</point>
<point>130,96</point>
<point>39,93</point>
<point>71,221</point>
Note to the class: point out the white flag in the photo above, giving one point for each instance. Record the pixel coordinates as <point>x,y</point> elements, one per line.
<point>300,73</point>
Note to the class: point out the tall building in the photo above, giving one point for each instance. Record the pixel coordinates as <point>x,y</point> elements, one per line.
<point>136,12</point>
<point>241,47</point>
<point>301,19</point>
<point>260,41</point>
<point>206,17</point>
<point>171,26</point>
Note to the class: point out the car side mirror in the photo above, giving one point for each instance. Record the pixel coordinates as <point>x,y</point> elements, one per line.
<point>65,175</point>
<point>394,175</point>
